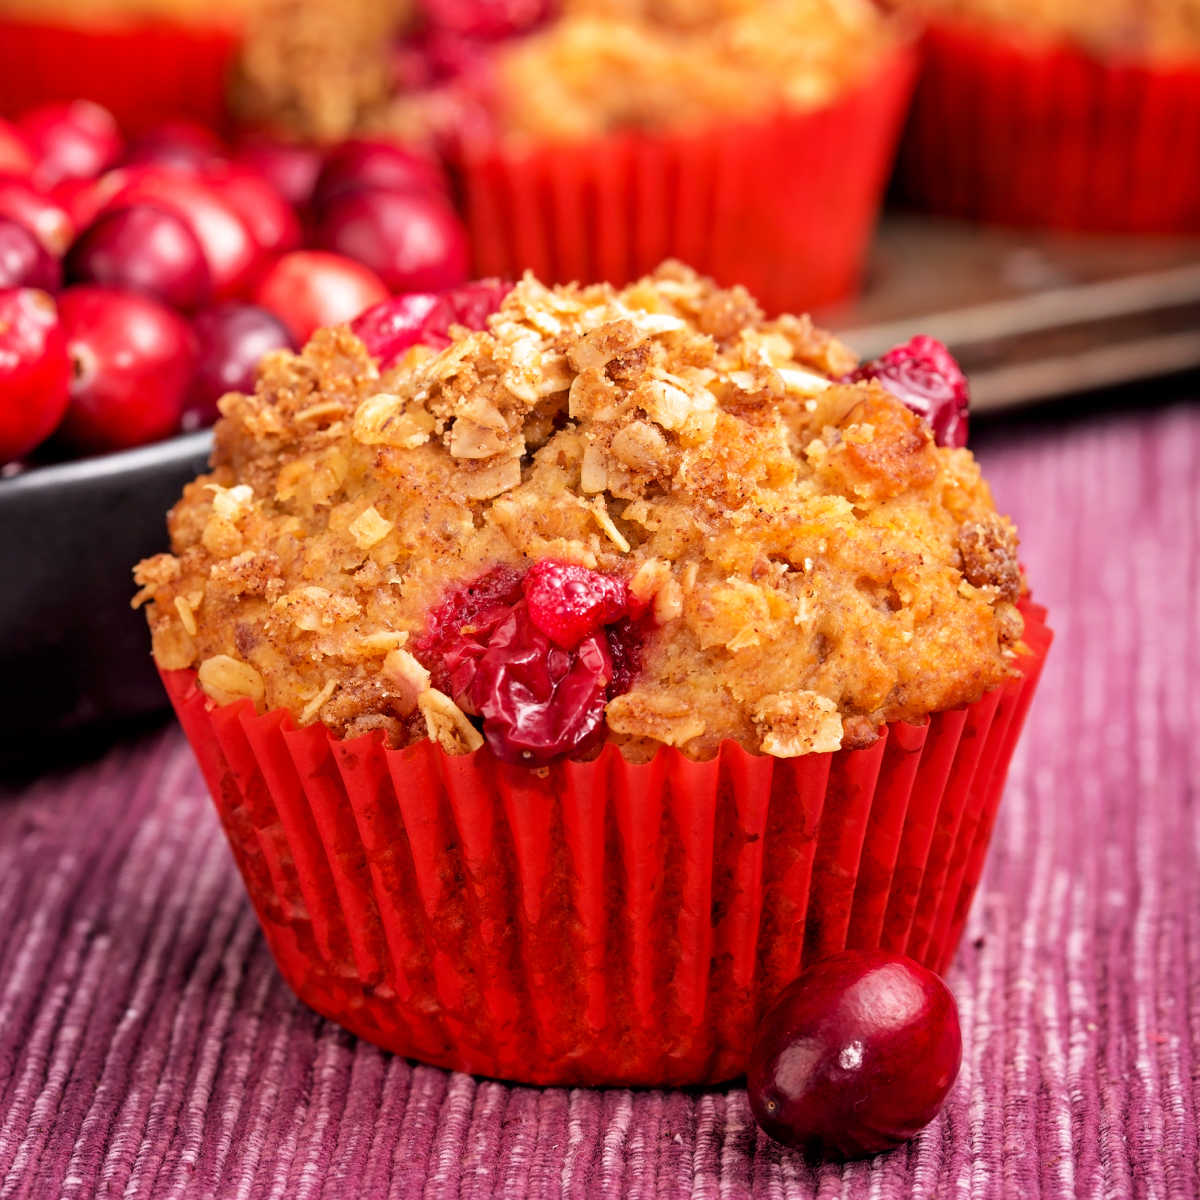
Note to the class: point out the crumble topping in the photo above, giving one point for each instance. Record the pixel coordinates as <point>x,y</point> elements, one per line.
<point>812,562</point>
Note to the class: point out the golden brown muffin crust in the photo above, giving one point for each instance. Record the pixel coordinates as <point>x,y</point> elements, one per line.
<point>816,565</point>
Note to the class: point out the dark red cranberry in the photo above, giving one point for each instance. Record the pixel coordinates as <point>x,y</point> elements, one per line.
<point>182,145</point>
<point>231,338</point>
<point>290,168</point>
<point>471,304</point>
<point>490,20</point>
<point>24,261</point>
<point>435,56</point>
<point>34,371</point>
<point>309,289</point>
<point>21,201</point>
<point>229,248</point>
<point>131,364</point>
<point>568,602</point>
<point>856,1056</point>
<point>72,140</point>
<point>270,218</point>
<point>145,249</point>
<point>925,376</point>
<point>413,241</point>
<point>15,158</point>
<point>361,163</point>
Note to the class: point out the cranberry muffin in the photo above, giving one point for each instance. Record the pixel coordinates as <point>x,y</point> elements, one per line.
<point>630,589</point>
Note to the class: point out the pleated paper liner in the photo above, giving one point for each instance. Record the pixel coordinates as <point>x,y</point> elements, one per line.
<point>596,923</point>
<point>785,205</point>
<point>1014,133</point>
<point>141,70</point>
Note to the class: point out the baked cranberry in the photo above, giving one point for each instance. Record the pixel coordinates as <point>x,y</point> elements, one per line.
<point>228,245</point>
<point>131,364</point>
<point>856,1056</point>
<point>15,158</point>
<point>568,602</point>
<point>362,163</point>
<point>21,201</point>
<point>413,241</point>
<point>24,261</point>
<point>73,140</point>
<point>270,218</point>
<point>231,338</point>
<point>924,375</point>
<point>182,145</point>
<point>34,371</point>
<point>309,289</point>
<point>425,318</point>
<point>291,169</point>
<point>434,56</point>
<point>490,20</point>
<point>145,249</point>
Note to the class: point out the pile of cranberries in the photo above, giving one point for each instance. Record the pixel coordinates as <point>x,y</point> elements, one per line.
<point>142,279</point>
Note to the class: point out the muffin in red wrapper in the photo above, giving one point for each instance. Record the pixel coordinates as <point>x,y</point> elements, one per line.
<point>564,691</point>
<point>591,141</point>
<point>1077,124</point>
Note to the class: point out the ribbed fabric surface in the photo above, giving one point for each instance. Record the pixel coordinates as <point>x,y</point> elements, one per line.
<point>148,1048</point>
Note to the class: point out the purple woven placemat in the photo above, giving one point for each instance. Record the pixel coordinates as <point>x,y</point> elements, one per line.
<point>148,1048</point>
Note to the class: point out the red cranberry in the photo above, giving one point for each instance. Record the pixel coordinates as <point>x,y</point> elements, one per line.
<point>228,245</point>
<point>15,158</point>
<point>131,364</point>
<point>231,338</point>
<point>568,602</point>
<point>926,377</point>
<point>34,371</point>
<point>434,56</point>
<point>145,249</point>
<point>309,289</point>
<point>414,242</point>
<point>83,199</point>
<point>291,169</point>
<point>24,261</point>
<point>360,163</point>
<point>182,145</point>
<point>423,318</point>
<point>21,201</point>
<point>856,1056</point>
<point>73,140</point>
<point>270,218</point>
<point>490,21</point>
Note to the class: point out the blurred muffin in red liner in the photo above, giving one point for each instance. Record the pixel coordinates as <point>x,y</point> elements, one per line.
<point>1073,114</point>
<point>566,683</point>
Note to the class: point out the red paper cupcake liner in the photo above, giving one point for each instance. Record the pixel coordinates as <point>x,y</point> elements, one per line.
<point>142,72</point>
<point>1020,134</point>
<point>784,205</point>
<point>596,923</point>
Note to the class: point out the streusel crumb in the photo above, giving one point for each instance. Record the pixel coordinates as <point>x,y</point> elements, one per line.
<point>814,564</point>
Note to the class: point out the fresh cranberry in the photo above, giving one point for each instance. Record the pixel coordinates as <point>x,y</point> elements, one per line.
<point>491,20</point>
<point>24,261</point>
<point>414,242</point>
<point>361,163</point>
<point>270,218</point>
<point>924,375</point>
<point>15,158</point>
<point>72,140</point>
<point>424,318</point>
<point>856,1056</point>
<point>568,602</point>
<point>21,201</point>
<point>182,145</point>
<point>291,169</point>
<point>231,338</point>
<point>34,371</point>
<point>131,364</point>
<point>84,199</point>
<point>309,289</point>
<point>145,249</point>
<point>228,245</point>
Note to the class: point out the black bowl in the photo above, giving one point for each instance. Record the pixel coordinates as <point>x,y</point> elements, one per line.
<point>73,655</point>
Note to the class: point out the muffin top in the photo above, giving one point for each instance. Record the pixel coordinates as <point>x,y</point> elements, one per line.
<point>1163,29</point>
<point>571,70</point>
<point>649,516</point>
